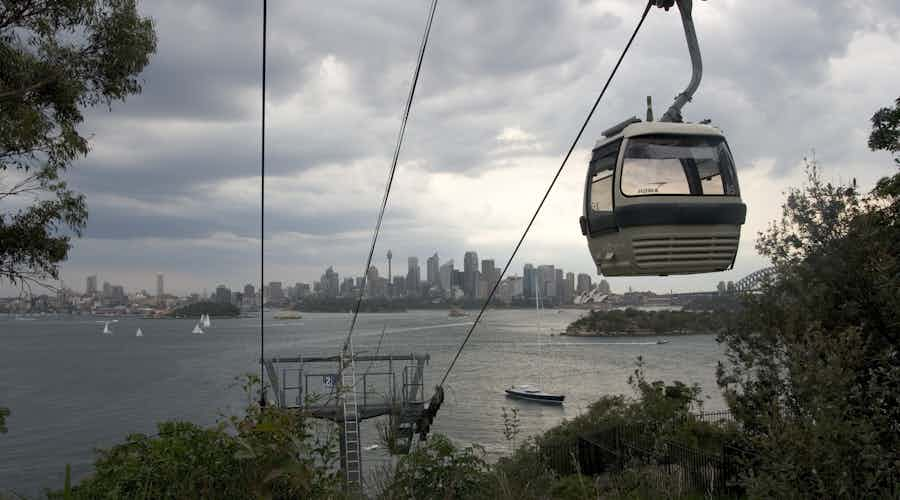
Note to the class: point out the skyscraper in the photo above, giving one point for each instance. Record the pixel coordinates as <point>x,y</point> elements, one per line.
<point>222,295</point>
<point>584,283</point>
<point>276,294</point>
<point>413,276</point>
<point>160,290</point>
<point>470,274</point>
<point>390,292</point>
<point>529,281</point>
<point>569,288</point>
<point>330,283</point>
<point>432,270</point>
<point>546,281</point>
<point>446,275</point>
<point>91,285</point>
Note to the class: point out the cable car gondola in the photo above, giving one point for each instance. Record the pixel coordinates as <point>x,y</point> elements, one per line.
<point>662,197</point>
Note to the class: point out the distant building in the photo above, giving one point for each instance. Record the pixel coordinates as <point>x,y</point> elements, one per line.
<point>329,283</point>
<point>432,271</point>
<point>399,286</point>
<point>276,294</point>
<point>413,276</point>
<point>91,285</point>
<point>347,287</point>
<point>584,283</point>
<point>569,288</point>
<point>470,274</point>
<point>445,273</point>
<point>160,289</point>
<point>546,278</point>
<point>222,295</point>
<point>529,281</point>
<point>603,286</point>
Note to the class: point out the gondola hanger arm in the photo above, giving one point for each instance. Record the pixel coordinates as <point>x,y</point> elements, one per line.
<point>685,7</point>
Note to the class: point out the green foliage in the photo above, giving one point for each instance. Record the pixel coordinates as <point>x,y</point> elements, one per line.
<point>813,364</point>
<point>440,470</point>
<point>56,58</point>
<point>633,321</point>
<point>214,309</point>
<point>266,453</point>
<point>885,135</point>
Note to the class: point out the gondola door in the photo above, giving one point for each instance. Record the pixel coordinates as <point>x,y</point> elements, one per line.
<point>599,217</point>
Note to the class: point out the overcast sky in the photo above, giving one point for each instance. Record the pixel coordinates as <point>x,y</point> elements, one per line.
<point>172,182</point>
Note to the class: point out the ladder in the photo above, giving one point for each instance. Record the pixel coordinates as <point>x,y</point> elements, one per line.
<point>352,456</point>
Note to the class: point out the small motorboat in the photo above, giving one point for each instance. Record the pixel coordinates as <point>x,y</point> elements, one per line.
<point>534,393</point>
<point>661,342</point>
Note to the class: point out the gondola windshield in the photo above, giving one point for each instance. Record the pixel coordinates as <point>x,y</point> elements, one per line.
<point>677,165</point>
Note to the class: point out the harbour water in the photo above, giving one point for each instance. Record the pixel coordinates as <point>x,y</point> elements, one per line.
<point>72,389</point>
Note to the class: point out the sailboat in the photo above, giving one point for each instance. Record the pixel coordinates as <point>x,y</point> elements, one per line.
<point>139,333</point>
<point>532,392</point>
<point>106,330</point>
<point>197,329</point>
<point>205,322</point>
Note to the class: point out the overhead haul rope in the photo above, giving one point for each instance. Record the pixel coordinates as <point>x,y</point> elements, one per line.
<point>490,296</point>
<point>262,219</point>
<point>391,172</point>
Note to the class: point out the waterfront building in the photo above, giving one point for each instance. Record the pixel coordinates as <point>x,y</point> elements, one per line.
<point>276,294</point>
<point>445,275</point>
<point>91,285</point>
<point>432,271</point>
<point>413,276</point>
<point>528,281</point>
<point>160,289</point>
<point>569,287</point>
<point>222,295</point>
<point>470,274</point>
<point>584,283</point>
<point>329,283</point>
<point>546,281</point>
<point>604,287</point>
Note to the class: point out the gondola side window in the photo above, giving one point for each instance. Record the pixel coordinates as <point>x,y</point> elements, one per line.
<point>677,165</point>
<point>602,169</point>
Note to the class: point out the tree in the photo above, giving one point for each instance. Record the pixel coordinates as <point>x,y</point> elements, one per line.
<point>885,134</point>
<point>813,363</point>
<point>56,59</point>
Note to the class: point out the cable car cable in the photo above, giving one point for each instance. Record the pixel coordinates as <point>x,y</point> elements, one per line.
<point>391,173</point>
<point>262,219</point>
<point>547,193</point>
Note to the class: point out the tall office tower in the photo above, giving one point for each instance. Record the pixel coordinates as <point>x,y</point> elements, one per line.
<point>584,283</point>
<point>529,281</point>
<point>432,270</point>
<point>222,295</point>
<point>107,290</point>
<point>604,287</point>
<point>546,281</point>
<point>160,290</point>
<point>276,294</point>
<point>470,274</point>
<point>559,281</point>
<point>330,283</point>
<point>249,295</point>
<point>399,286</point>
<point>570,288</point>
<point>446,275</point>
<point>91,286</point>
<point>413,276</point>
<point>390,286</point>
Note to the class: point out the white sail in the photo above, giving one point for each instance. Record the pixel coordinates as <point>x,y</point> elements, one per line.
<point>139,333</point>
<point>197,329</point>
<point>106,330</point>
<point>205,320</point>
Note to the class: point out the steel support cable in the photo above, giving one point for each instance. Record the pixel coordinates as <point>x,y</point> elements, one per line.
<point>490,296</point>
<point>262,219</point>
<point>391,173</point>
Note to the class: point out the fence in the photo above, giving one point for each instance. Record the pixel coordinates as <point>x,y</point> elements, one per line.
<point>681,469</point>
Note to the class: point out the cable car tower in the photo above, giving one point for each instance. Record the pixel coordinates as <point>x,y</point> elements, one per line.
<point>662,197</point>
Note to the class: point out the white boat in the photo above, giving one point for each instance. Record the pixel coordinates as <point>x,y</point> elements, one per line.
<point>530,392</point>
<point>197,329</point>
<point>139,333</point>
<point>106,330</point>
<point>204,320</point>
